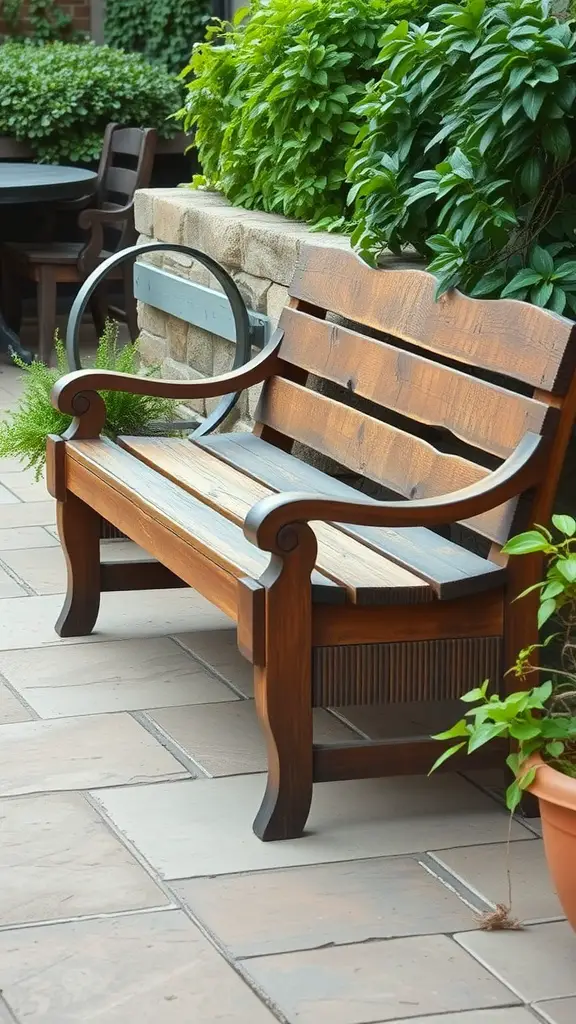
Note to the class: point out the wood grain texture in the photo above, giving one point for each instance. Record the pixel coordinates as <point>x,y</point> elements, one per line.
<point>506,336</point>
<point>367,577</point>
<point>451,570</point>
<point>211,535</point>
<point>479,616</point>
<point>402,462</point>
<point>479,413</point>
<point>413,756</point>
<point>79,532</point>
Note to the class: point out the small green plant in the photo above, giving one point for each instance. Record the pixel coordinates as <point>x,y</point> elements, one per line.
<point>164,30</point>
<point>467,151</point>
<point>23,433</point>
<point>45,20</point>
<point>270,99</point>
<point>541,720</point>
<point>59,97</point>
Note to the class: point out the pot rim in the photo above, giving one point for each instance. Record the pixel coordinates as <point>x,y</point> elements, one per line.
<point>551,785</point>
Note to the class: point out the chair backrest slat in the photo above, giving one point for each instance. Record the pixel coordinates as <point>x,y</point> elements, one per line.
<point>479,413</point>
<point>380,451</point>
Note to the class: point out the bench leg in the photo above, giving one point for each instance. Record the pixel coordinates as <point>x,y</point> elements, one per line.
<point>79,530</point>
<point>283,692</point>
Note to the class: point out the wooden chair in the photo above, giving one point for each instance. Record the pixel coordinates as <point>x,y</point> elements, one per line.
<point>341,599</point>
<point>107,218</point>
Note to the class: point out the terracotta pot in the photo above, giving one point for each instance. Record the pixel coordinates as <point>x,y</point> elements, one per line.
<point>557,798</point>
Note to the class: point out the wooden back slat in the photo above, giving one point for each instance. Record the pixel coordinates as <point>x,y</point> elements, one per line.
<point>121,180</point>
<point>507,337</point>
<point>481,414</point>
<point>400,461</point>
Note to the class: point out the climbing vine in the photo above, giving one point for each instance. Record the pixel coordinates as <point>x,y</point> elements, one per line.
<point>164,31</point>
<point>45,20</point>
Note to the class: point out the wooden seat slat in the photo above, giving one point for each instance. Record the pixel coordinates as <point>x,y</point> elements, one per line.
<point>451,570</point>
<point>211,534</point>
<point>368,577</point>
<point>479,413</point>
<point>406,464</point>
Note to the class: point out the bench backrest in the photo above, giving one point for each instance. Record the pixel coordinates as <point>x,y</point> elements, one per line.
<point>483,371</point>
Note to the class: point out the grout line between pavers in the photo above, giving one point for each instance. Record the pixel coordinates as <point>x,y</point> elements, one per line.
<point>29,591</point>
<point>169,743</point>
<point>180,904</point>
<point>105,916</point>
<point>494,972</point>
<point>177,777</point>
<point>8,1011</point>
<point>456,885</point>
<point>206,664</point>
<point>21,700</point>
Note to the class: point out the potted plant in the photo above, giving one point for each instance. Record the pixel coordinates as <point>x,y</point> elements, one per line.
<point>540,721</point>
<point>23,432</point>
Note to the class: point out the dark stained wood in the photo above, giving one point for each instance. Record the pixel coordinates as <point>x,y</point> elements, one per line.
<point>481,615</point>
<point>56,466</point>
<point>451,570</point>
<point>367,577</point>
<point>413,756</point>
<point>145,574</point>
<point>283,687</point>
<point>212,536</point>
<point>404,463</point>
<point>479,413</point>
<point>79,532</point>
<point>508,337</point>
<point>251,621</point>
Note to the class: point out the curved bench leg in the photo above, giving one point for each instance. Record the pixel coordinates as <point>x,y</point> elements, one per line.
<point>79,530</point>
<point>283,691</point>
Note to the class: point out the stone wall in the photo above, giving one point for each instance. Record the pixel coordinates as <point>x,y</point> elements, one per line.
<point>259,250</point>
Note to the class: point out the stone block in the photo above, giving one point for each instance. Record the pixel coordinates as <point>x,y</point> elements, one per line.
<point>155,258</point>
<point>177,332</point>
<point>216,230</point>
<point>253,290</point>
<point>270,248</point>
<point>276,299</point>
<point>152,349</point>
<point>223,352</point>
<point>199,350</point>
<point>144,210</point>
<point>253,399</point>
<point>152,320</point>
<point>173,370</point>
<point>169,211</point>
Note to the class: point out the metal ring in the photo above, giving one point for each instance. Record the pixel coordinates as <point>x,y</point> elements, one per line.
<point>242,354</point>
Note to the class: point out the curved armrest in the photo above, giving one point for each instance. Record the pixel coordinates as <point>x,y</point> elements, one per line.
<point>91,217</point>
<point>266,522</point>
<point>76,393</point>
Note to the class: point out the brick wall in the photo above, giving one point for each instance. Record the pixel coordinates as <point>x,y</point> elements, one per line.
<point>79,9</point>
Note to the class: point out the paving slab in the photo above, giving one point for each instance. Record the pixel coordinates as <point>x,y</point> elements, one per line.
<point>484,869</point>
<point>77,753</point>
<point>58,859</point>
<point>558,1011</point>
<point>304,908</point>
<point>9,587</point>
<point>219,649</point>
<point>11,710</point>
<point>507,1015</point>
<point>539,963</point>
<point>123,615</point>
<point>152,968</point>
<point>377,981</point>
<point>121,675</point>
<point>204,827</point>
<point>43,569</point>
<point>226,739</point>
<point>26,537</point>
<point>31,513</point>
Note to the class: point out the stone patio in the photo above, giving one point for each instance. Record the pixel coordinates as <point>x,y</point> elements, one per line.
<point>132,888</point>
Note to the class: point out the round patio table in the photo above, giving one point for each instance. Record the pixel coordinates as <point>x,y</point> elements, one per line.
<point>38,183</point>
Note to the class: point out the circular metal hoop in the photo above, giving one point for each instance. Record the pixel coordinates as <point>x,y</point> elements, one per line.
<point>242,354</point>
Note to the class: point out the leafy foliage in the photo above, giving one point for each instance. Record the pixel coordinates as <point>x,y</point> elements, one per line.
<point>467,153</point>
<point>163,30</point>
<point>541,720</point>
<point>23,433</point>
<point>58,98</point>
<point>270,100</point>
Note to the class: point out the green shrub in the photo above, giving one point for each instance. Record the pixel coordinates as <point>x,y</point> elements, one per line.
<point>270,100</point>
<point>23,433</point>
<point>468,151</point>
<point>163,30</point>
<point>59,97</point>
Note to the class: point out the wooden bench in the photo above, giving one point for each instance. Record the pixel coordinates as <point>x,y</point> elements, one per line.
<point>341,599</point>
